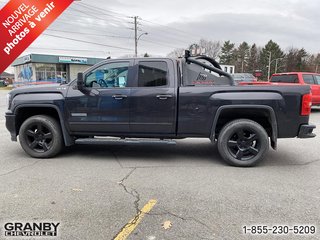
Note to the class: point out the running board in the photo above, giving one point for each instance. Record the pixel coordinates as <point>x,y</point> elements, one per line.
<point>121,141</point>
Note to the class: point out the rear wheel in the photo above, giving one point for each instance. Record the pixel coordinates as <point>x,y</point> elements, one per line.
<point>40,136</point>
<point>243,143</point>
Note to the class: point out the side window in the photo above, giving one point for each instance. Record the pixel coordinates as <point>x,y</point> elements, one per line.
<point>110,75</point>
<point>308,79</point>
<point>152,74</point>
<point>317,79</point>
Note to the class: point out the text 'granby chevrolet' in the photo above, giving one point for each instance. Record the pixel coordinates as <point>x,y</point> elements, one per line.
<point>18,229</point>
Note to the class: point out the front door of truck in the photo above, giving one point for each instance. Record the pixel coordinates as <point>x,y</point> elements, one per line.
<point>153,98</point>
<point>104,106</point>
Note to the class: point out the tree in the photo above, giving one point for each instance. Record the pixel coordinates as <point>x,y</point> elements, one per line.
<point>253,62</point>
<point>227,55</point>
<point>242,57</point>
<point>273,50</point>
<point>296,60</point>
<point>210,48</point>
<point>176,53</point>
<point>146,55</point>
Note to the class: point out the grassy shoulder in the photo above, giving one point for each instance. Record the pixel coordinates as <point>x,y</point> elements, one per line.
<point>6,88</point>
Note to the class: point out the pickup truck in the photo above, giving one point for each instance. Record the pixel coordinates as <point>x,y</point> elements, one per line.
<point>157,100</point>
<point>294,78</point>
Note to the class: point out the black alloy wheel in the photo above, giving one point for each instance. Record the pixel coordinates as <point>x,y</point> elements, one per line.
<point>40,136</point>
<point>243,143</point>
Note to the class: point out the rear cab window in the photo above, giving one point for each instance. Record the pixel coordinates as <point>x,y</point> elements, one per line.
<point>308,78</point>
<point>152,74</point>
<point>317,79</point>
<point>291,78</point>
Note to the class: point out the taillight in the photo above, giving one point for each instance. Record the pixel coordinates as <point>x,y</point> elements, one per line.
<point>306,105</point>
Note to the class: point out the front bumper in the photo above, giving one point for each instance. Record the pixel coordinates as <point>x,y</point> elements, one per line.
<point>11,125</point>
<point>306,131</point>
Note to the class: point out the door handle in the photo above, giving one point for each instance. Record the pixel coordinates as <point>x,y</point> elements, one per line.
<point>164,96</point>
<point>119,96</point>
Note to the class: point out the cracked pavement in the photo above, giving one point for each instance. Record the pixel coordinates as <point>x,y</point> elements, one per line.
<point>202,196</point>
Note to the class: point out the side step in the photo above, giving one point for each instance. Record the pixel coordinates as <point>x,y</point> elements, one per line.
<point>123,141</point>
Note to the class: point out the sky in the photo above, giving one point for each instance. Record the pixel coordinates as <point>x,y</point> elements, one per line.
<point>107,25</point>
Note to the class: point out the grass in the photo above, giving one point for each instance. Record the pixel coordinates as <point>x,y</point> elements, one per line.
<point>6,88</point>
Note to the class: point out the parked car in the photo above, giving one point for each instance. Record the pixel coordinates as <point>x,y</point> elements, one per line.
<point>243,77</point>
<point>159,99</point>
<point>296,78</point>
<point>3,83</point>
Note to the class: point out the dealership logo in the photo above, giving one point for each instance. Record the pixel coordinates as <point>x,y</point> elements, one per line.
<point>42,229</point>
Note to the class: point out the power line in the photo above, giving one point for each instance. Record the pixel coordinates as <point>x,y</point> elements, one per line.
<point>77,50</point>
<point>166,26</point>
<point>65,49</point>
<point>83,41</point>
<point>94,16</point>
<point>103,11</point>
<point>91,34</point>
<point>79,23</point>
<point>157,43</point>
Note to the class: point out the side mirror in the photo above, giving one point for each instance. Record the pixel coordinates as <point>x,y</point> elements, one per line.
<point>80,81</point>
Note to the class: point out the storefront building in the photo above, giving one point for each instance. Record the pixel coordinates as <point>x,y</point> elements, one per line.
<point>39,68</point>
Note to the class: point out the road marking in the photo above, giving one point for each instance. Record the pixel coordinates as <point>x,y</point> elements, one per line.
<point>130,226</point>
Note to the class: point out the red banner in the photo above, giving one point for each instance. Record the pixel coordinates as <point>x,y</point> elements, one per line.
<point>21,22</point>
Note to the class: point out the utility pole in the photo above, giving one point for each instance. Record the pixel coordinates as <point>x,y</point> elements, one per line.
<point>136,29</point>
<point>269,65</point>
<point>135,36</point>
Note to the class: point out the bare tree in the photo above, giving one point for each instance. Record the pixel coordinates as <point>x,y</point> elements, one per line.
<point>210,48</point>
<point>176,53</point>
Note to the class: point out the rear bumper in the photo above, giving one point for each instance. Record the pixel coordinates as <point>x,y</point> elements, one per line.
<point>306,131</point>
<point>11,125</point>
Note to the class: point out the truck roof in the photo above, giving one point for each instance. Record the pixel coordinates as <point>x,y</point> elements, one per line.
<point>289,73</point>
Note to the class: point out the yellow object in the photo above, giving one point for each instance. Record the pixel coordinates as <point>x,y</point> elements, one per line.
<point>130,226</point>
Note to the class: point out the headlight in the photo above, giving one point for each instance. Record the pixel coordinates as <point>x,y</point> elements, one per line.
<point>8,101</point>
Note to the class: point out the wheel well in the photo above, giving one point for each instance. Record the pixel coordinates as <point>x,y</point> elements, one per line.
<point>26,112</point>
<point>261,116</point>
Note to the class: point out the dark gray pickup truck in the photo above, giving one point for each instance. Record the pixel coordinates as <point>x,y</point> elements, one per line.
<point>156,100</point>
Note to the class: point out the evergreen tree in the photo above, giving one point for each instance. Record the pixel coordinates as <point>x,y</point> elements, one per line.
<point>242,57</point>
<point>273,50</point>
<point>253,62</point>
<point>227,55</point>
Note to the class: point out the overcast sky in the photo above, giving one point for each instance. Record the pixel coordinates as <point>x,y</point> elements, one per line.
<point>176,24</point>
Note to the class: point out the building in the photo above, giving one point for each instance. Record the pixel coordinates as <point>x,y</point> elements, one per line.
<point>39,68</point>
<point>8,77</point>
<point>228,68</point>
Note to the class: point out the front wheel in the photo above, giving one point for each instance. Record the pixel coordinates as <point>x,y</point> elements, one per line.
<point>40,136</point>
<point>243,143</point>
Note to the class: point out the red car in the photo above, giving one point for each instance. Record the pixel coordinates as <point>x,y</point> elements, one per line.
<point>302,78</point>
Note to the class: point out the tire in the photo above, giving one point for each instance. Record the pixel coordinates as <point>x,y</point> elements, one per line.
<point>243,143</point>
<point>40,136</point>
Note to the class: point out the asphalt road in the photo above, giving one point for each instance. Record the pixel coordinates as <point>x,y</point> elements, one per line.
<point>94,191</point>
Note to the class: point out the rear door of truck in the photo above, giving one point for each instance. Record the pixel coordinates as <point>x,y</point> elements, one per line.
<point>313,80</point>
<point>153,97</point>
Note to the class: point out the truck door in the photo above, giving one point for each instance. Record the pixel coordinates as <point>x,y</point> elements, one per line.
<point>315,88</point>
<point>153,98</point>
<point>104,108</point>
